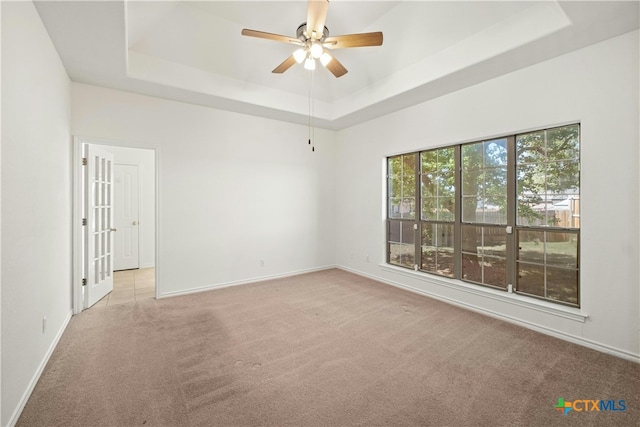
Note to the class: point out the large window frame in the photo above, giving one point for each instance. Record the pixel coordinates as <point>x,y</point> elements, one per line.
<point>501,213</point>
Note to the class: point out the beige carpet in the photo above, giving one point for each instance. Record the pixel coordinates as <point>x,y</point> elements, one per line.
<point>321,349</point>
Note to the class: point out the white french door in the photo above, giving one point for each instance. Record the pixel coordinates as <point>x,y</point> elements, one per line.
<point>126,208</point>
<point>98,212</point>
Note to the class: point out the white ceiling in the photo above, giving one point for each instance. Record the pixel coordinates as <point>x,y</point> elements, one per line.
<point>193,51</point>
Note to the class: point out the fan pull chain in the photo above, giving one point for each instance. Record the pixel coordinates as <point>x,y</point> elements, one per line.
<point>312,132</point>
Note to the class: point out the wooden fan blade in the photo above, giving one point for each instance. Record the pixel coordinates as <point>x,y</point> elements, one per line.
<point>286,64</point>
<point>353,40</point>
<point>270,36</point>
<point>316,17</point>
<point>336,68</point>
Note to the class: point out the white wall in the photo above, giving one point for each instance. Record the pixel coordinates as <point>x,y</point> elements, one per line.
<point>145,160</point>
<point>36,202</point>
<point>597,86</point>
<point>234,190</point>
<point>0,216</point>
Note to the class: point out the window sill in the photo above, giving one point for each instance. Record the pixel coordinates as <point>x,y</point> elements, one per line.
<point>570,313</point>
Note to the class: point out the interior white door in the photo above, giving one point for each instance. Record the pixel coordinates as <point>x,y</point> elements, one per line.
<point>126,239</point>
<point>99,228</point>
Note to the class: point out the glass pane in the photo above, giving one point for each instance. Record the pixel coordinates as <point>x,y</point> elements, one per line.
<point>531,246</point>
<point>495,152</point>
<point>530,147</point>
<point>469,209</point>
<point>394,187</point>
<point>446,184</point>
<point>562,249</point>
<point>445,236</point>
<point>471,238</point>
<point>409,164</point>
<point>495,183</point>
<point>530,179</point>
<point>494,241</point>
<point>472,182</point>
<point>562,284</point>
<point>429,247</point>
<point>446,209</point>
<point>394,165</point>
<point>428,259</point>
<point>495,271</point>
<point>408,234</point>
<point>472,156</point>
<point>563,177</point>
<point>394,207</point>
<point>445,262</point>
<point>402,255</point>
<point>394,231</point>
<point>429,185</point>
<point>429,160</point>
<point>563,142</point>
<point>531,208</point>
<point>493,211</point>
<point>96,219</point>
<point>437,248</point>
<point>445,257</point>
<point>96,194</point>
<point>429,235</point>
<point>408,185</point>
<point>429,208</point>
<point>530,279</point>
<point>446,159</point>
<point>471,268</point>
<point>408,208</point>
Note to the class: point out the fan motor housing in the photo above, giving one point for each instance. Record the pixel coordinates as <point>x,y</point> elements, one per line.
<point>303,28</point>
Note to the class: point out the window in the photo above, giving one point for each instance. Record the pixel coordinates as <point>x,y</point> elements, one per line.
<point>401,194</point>
<point>548,213</point>
<point>498,212</point>
<point>438,207</point>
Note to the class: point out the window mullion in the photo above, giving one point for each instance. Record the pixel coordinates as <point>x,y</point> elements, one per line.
<point>457,228</point>
<point>418,213</point>
<point>512,200</point>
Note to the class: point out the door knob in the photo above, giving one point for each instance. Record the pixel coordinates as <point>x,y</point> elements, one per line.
<point>113,229</point>
<point>135,222</point>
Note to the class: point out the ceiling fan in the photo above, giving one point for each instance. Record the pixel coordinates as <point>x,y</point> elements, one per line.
<point>314,41</point>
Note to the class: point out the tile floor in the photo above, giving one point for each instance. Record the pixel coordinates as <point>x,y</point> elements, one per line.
<point>130,286</point>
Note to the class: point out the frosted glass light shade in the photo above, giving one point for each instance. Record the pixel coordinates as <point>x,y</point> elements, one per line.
<point>310,64</point>
<point>315,50</point>
<point>299,55</point>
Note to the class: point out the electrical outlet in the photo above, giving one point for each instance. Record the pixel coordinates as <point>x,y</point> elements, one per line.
<point>44,324</point>
<point>367,258</point>
<point>261,263</point>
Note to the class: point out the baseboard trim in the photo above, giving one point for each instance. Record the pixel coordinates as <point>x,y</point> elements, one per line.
<point>36,376</point>
<point>244,281</point>
<point>603,348</point>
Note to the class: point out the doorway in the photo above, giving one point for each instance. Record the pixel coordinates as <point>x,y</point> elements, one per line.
<point>127,220</point>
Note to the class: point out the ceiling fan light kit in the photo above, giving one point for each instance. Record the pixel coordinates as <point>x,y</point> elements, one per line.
<point>313,40</point>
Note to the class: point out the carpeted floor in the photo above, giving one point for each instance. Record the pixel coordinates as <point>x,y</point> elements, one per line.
<point>323,349</point>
